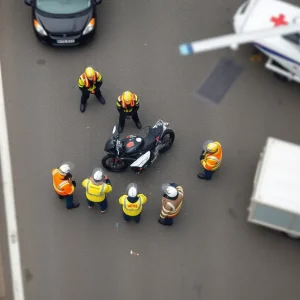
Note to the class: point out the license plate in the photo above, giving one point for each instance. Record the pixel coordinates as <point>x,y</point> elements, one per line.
<point>65,41</point>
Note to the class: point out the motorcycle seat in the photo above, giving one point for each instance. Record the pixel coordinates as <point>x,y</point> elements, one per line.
<point>150,139</point>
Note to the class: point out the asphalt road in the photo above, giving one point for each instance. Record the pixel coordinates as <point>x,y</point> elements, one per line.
<point>211,252</point>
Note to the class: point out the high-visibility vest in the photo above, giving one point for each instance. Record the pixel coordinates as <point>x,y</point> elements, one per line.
<point>86,82</point>
<point>132,209</point>
<point>127,107</point>
<point>95,192</point>
<point>212,162</point>
<point>61,186</point>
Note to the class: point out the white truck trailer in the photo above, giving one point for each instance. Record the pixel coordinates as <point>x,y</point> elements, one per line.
<point>275,201</point>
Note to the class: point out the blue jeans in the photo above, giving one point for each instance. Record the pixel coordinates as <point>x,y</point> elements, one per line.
<point>208,174</point>
<point>69,201</point>
<point>135,218</point>
<point>103,204</point>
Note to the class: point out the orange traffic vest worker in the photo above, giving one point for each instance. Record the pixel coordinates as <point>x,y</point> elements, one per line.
<point>64,186</point>
<point>89,83</point>
<point>171,203</point>
<point>132,203</point>
<point>128,105</point>
<point>211,158</point>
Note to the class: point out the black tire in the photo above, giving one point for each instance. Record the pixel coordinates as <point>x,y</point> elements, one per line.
<point>171,139</point>
<point>108,166</point>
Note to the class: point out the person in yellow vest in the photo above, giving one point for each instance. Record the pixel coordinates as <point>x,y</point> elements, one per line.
<point>132,203</point>
<point>89,83</point>
<point>128,105</point>
<point>64,186</point>
<point>171,203</point>
<point>211,158</point>
<point>97,187</point>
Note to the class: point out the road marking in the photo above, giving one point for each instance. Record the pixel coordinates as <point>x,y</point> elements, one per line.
<point>9,203</point>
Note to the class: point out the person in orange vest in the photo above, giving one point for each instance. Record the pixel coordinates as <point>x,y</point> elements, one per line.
<point>211,158</point>
<point>171,203</point>
<point>64,186</point>
<point>89,83</point>
<point>128,105</point>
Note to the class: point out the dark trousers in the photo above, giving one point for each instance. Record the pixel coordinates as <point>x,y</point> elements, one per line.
<point>102,205</point>
<point>166,221</point>
<point>208,174</point>
<point>69,201</point>
<point>122,117</point>
<point>135,218</point>
<point>86,94</point>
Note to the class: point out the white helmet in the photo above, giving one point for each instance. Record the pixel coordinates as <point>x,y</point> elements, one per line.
<point>98,175</point>
<point>171,191</point>
<point>65,169</point>
<point>132,192</point>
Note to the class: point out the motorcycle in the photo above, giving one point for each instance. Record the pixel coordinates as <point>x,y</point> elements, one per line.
<point>136,151</point>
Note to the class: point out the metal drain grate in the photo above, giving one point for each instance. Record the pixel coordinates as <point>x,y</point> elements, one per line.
<point>219,82</point>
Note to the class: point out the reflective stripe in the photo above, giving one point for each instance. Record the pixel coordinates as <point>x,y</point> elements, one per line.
<point>86,81</point>
<point>166,210</point>
<point>124,105</point>
<point>54,172</point>
<point>170,204</point>
<point>101,191</point>
<point>212,162</point>
<point>61,185</point>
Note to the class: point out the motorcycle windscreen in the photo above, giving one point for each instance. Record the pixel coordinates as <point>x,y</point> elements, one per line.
<point>141,161</point>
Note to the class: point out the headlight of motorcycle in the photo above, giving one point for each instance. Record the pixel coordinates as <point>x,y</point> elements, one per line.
<point>39,28</point>
<point>89,26</point>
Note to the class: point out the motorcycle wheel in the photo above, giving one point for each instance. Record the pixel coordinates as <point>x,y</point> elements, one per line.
<point>111,163</point>
<point>167,140</point>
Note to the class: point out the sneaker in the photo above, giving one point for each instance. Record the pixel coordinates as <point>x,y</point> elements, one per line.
<point>90,206</point>
<point>102,211</point>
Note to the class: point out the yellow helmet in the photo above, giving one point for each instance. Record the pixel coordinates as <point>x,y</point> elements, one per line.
<point>90,73</point>
<point>212,147</point>
<point>127,96</point>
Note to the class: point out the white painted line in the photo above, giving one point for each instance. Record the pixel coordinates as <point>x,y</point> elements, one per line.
<point>9,203</point>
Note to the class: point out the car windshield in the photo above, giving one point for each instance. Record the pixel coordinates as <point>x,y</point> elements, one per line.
<point>62,6</point>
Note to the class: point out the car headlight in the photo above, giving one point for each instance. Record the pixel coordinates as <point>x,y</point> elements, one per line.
<point>89,27</point>
<point>38,27</point>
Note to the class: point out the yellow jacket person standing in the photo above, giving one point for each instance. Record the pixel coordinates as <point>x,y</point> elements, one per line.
<point>128,105</point>
<point>132,203</point>
<point>89,83</point>
<point>171,203</point>
<point>97,186</point>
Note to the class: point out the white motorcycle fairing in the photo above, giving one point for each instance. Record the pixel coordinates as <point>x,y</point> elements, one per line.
<point>141,161</point>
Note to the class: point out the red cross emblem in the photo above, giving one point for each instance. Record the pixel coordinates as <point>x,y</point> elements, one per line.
<point>278,21</point>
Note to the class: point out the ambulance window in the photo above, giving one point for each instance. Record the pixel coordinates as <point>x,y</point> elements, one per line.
<point>244,7</point>
<point>294,38</point>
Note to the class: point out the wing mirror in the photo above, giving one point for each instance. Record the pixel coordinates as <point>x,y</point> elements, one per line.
<point>28,2</point>
<point>97,1</point>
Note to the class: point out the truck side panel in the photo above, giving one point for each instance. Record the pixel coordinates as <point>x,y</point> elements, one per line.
<point>295,226</point>
<point>272,216</point>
